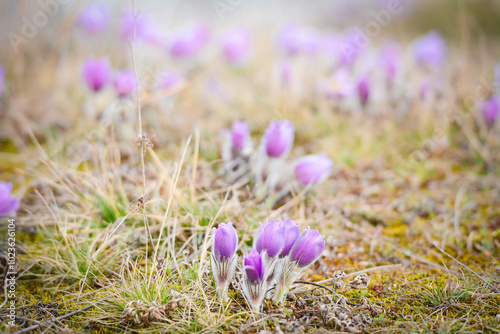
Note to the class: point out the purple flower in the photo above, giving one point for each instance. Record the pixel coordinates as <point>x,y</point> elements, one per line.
<point>491,109</point>
<point>236,46</point>
<point>270,238</point>
<point>312,169</point>
<point>170,80</point>
<point>364,89</point>
<point>224,242</point>
<point>353,43</point>
<point>125,83</point>
<point>189,42</point>
<point>340,84</point>
<point>254,266</point>
<point>97,73</point>
<point>294,39</point>
<point>288,39</point>
<point>390,59</point>
<point>290,232</point>
<point>223,257</point>
<point>94,18</point>
<point>2,80</point>
<point>278,138</point>
<point>430,49</point>
<point>239,136</point>
<point>307,248</point>
<point>8,204</point>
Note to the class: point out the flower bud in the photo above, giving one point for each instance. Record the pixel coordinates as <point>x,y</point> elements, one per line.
<point>278,138</point>
<point>307,248</point>
<point>312,169</point>
<point>430,49</point>
<point>97,73</point>
<point>125,84</point>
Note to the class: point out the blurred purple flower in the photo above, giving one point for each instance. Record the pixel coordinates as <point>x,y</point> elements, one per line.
<point>351,46</point>
<point>170,80</point>
<point>125,83</point>
<point>189,42</point>
<point>239,136</point>
<point>307,248</point>
<point>430,49</point>
<point>291,232</point>
<point>340,85</point>
<point>390,59</point>
<point>491,109</point>
<point>95,17</point>
<point>312,169</point>
<point>145,29</point>
<point>278,138</point>
<point>2,80</point>
<point>288,39</point>
<point>270,238</point>
<point>236,46</point>
<point>254,266</point>
<point>294,39</point>
<point>8,203</point>
<point>364,89</point>
<point>97,73</point>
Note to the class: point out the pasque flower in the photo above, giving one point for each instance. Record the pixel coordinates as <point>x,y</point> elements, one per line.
<point>254,282</point>
<point>239,136</point>
<point>363,88</point>
<point>97,73</point>
<point>223,257</point>
<point>491,109</point>
<point>312,169</point>
<point>390,59</point>
<point>189,42</point>
<point>236,46</point>
<point>270,238</point>
<point>340,85</point>
<point>430,49</point>
<point>291,232</point>
<point>171,80</point>
<point>8,203</point>
<point>125,83</point>
<point>278,138</point>
<point>95,17</point>
<point>307,248</point>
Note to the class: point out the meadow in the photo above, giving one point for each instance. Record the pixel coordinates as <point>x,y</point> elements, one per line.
<point>241,167</point>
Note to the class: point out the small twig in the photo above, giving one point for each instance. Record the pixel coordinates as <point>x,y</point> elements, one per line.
<point>324,287</point>
<point>142,143</point>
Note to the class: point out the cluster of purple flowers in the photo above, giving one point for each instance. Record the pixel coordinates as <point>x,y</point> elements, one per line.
<point>98,73</point>
<point>280,251</point>
<point>269,166</point>
<point>96,18</point>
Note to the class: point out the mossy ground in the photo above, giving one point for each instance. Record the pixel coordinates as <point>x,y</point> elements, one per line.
<point>413,200</point>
